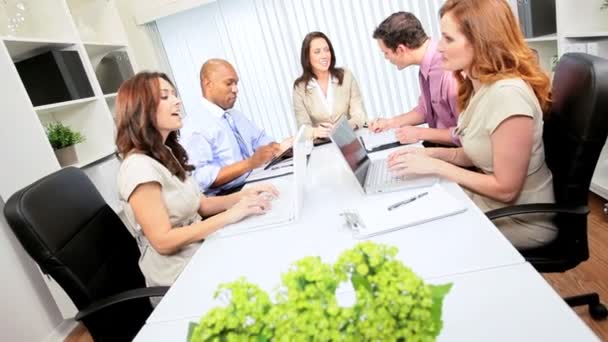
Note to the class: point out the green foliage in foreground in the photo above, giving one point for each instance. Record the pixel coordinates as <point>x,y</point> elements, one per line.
<point>392,303</point>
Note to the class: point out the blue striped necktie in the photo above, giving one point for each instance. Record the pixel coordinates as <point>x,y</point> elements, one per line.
<point>239,139</point>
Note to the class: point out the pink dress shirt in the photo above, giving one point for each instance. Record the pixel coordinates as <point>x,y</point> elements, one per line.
<point>438,93</point>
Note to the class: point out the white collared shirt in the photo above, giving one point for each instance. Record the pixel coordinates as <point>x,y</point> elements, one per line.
<point>328,100</point>
<point>212,145</point>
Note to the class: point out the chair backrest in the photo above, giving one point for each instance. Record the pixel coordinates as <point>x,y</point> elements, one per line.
<point>67,228</point>
<point>575,130</point>
<point>574,134</point>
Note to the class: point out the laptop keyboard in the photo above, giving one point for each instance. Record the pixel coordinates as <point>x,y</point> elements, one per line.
<point>282,211</point>
<point>378,175</point>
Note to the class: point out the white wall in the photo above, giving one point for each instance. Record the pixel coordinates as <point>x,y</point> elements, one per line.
<point>28,311</point>
<point>141,46</point>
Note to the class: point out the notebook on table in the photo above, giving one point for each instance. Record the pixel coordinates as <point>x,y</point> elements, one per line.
<point>286,208</point>
<point>375,142</point>
<point>372,176</point>
<point>394,211</point>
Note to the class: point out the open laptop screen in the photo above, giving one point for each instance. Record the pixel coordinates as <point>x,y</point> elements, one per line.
<point>351,148</point>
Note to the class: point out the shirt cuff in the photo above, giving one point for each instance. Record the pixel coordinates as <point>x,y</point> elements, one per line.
<point>205,176</point>
<point>455,137</point>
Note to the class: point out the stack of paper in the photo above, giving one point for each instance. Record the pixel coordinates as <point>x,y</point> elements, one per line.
<point>408,208</point>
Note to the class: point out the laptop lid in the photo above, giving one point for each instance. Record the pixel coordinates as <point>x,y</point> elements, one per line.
<point>299,169</point>
<point>351,149</point>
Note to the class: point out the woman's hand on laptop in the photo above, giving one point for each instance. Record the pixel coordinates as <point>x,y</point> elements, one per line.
<point>268,190</point>
<point>408,150</point>
<point>247,206</point>
<point>410,160</point>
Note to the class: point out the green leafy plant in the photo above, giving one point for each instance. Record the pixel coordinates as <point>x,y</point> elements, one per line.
<point>392,303</point>
<point>61,136</point>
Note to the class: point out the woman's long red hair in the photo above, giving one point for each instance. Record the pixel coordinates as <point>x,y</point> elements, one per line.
<point>500,51</point>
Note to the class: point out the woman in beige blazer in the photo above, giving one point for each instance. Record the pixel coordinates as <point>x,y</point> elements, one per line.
<point>323,92</point>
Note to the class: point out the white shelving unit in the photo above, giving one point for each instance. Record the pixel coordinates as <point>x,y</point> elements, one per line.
<point>92,28</point>
<point>578,23</point>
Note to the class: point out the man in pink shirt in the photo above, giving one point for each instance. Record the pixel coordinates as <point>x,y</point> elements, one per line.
<point>404,43</point>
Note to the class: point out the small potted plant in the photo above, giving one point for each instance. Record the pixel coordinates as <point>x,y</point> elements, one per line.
<point>63,139</point>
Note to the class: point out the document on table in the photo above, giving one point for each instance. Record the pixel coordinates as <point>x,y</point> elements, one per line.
<point>379,141</point>
<point>282,168</point>
<point>397,210</point>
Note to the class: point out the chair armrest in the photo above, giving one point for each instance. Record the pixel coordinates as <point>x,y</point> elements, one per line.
<point>537,208</point>
<point>156,291</point>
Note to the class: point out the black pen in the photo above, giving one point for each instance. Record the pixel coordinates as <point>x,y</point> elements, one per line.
<point>406,201</point>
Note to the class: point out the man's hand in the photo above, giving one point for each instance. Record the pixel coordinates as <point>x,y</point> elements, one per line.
<point>408,134</point>
<point>262,155</point>
<point>379,125</point>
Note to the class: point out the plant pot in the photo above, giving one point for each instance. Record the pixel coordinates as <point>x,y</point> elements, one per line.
<point>67,155</point>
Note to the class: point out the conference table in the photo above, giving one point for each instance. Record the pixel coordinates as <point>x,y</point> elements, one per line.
<point>496,294</point>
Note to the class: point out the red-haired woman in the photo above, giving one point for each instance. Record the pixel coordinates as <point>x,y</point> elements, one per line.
<point>502,96</point>
<point>162,202</point>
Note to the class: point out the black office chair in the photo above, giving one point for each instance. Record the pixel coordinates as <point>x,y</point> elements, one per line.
<point>68,229</point>
<point>574,134</point>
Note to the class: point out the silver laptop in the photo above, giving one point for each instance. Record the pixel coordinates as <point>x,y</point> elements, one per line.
<point>373,176</point>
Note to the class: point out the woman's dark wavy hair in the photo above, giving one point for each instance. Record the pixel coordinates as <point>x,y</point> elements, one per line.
<point>137,129</point>
<point>307,73</point>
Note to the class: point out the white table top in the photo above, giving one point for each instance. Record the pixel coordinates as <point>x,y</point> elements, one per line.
<point>510,303</point>
<point>452,245</point>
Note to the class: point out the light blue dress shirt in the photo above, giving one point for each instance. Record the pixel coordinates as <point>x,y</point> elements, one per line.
<point>212,145</point>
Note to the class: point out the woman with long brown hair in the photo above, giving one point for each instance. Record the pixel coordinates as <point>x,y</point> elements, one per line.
<point>502,96</point>
<point>324,92</point>
<point>161,201</point>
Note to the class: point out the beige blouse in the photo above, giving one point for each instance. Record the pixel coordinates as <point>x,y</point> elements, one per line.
<point>182,200</point>
<point>310,109</point>
<point>488,108</point>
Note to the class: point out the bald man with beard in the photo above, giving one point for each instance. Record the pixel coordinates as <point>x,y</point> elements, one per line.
<point>222,144</point>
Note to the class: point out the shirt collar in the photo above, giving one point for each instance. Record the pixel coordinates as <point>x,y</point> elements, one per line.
<point>428,59</point>
<point>313,82</point>
<point>214,109</point>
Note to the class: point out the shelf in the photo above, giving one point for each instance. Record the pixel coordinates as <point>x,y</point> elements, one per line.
<point>583,35</point>
<point>99,49</point>
<point>62,105</point>
<point>547,38</point>
<point>21,48</point>
<point>85,162</point>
